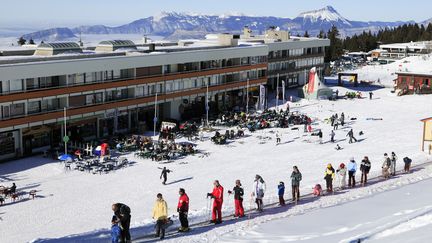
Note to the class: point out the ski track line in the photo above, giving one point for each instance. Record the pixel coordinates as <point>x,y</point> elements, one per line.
<point>308,203</point>
<point>388,226</point>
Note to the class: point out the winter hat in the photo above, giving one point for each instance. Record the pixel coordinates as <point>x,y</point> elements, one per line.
<point>329,166</point>
<point>352,159</point>
<point>281,183</point>
<point>342,165</point>
<point>385,154</point>
<point>182,190</point>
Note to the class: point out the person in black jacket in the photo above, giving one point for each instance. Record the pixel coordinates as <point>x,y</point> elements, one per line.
<point>164,174</point>
<point>238,199</point>
<point>122,213</point>
<point>365,168</point>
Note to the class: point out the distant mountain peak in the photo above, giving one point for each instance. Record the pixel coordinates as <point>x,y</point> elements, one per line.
<point>327,13</point>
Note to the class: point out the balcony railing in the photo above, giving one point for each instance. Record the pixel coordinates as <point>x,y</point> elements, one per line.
<point>130,98</point>
<point>167,75</point>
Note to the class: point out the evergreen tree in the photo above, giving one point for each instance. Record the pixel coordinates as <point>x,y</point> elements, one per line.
<point>21,41</point>
<point>306,34</point>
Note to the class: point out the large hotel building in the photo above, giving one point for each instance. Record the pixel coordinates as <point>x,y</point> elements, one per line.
<point>112,88</point>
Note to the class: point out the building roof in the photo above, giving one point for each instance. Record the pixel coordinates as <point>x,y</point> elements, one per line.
<point>60,46</point>
<point>118,43</point>
<point>426,119</point>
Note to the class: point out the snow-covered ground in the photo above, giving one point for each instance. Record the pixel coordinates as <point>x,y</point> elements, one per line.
<point>75,206</point>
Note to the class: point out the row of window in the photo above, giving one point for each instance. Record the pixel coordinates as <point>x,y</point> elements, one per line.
<point>305,62</point>
<point>295,52</point>
<point>18,85</point>
<point>42,106</point>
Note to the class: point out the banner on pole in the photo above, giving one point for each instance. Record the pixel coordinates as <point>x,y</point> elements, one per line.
<point>262,97</point>
<point>283,90</point>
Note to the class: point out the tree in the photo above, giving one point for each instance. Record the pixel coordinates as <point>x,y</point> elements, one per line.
<point>306,34</point>
<point>21,41</point>
<point>321,34</point>
<point>336,45</point>
<point>31,41</point>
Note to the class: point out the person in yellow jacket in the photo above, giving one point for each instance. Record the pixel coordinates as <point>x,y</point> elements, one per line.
<point>329,176</point>
<point>160,214</point>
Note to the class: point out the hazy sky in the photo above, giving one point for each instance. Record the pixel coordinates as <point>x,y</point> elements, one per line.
<point>55,13</point>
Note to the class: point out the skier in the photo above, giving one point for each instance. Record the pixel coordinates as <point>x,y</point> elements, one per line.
<point>352,168</point>
<point>296,177</point>
<point>332,120</point>
<point>365,168</point>
<point>281,192</point>
<point>342,172</point>
<point>385,166</point>
<point>335,125</point>
<point>182,209</point>
<point>329,176</point>
<point>393,160</point>
<point>115,230</point>
<point>342,119</point>
<point>407,162</point>
<point>160,214</point>
<point>320,135</point>
<point>164,174</point>
<point>217,196</point>
<point>370,95</point>
<point>259,187</point>
<point>123,217</point>
<point>351,136</point>
<point>332,135</point>
<point>238,199</point>
<point>278,137</point>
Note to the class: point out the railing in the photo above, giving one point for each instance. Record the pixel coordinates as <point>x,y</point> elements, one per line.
<point>124,79</point>
<point>277,59</point>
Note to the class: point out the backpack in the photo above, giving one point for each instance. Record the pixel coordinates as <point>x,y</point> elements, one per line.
<point>407,160</point>
<point>388,162</point>
<point>124,209</point>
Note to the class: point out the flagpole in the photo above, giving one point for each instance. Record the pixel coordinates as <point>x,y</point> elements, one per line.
<point>207,105</point>
<point>65,131</point>
<point>247,97</point>
<point>277,92</point>
<point>155,116</point>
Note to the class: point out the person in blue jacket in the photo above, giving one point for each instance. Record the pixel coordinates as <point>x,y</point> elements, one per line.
<point>115,230</point>
<point>281,192</point>
<point>352,168</point>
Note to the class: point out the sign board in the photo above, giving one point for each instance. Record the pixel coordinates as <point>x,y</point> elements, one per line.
<point>428,131</point>
<point>66,139</point>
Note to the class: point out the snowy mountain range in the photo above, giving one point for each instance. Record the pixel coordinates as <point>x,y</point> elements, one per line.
<point>173,25</point>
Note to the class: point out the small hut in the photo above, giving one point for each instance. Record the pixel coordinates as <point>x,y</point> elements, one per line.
<point>427,135</point>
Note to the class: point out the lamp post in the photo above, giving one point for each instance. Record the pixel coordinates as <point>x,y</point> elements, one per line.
<point>65,138</point>
<point>207,103</point>
<point>277,92</point>
<point>247,96</point>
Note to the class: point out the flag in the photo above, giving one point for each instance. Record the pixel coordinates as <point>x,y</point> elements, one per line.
<point>262,97</point>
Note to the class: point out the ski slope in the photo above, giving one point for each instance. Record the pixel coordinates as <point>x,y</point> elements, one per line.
<point>75,206</point>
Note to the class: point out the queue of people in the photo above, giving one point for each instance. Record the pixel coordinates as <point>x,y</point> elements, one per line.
<point>122,215</point>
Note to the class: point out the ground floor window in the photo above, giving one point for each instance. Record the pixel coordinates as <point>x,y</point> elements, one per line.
<point>7,143</point>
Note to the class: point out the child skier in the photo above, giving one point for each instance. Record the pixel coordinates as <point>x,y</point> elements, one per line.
<point>329,176</point>
<point>238,199</point>
<point>342,172</point>
<point>281,192</point>
<point>115,230</point>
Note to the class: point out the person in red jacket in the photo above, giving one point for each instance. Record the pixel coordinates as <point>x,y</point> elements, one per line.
<point>182,209</point>
<point>217,196</point>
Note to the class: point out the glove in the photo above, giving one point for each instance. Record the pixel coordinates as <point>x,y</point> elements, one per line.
<point>178,210</point>
<point>209,195</point>
<point>229,192</point>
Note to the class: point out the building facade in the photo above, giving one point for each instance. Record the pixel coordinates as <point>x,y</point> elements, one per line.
<point>113,89</point>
